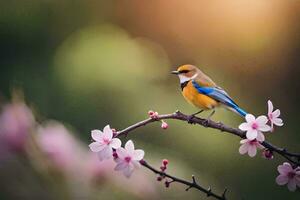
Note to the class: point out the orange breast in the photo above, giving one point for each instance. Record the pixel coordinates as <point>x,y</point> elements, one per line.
<point>195,98</point>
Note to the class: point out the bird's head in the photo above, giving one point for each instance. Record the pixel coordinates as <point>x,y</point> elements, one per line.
<point>186,72</point>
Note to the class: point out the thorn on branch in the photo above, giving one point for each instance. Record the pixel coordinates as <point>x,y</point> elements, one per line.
<point>224,193</point>
<point>194,183</point>
<point>194,180</point>
<point>208,192</point>
<point>188,188</point>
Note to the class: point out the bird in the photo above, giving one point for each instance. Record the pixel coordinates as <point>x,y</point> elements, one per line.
<point>201,91</point>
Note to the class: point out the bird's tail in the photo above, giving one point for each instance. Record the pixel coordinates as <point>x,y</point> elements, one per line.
<point>238,110</point>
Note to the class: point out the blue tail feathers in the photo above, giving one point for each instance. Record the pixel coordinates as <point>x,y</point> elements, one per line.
<point>240,111</point>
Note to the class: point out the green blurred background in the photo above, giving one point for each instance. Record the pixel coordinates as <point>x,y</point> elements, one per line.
<point>94,62</point>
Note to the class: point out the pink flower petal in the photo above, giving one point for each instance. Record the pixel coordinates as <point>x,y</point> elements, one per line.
<point>262,120</point>
<point>138,154</point>
<point>97,135</point>
<point>136,164</point>
<point>105,153</point>
<point>121,166</point>
<point>251,134</point>
<point>259,146</point>
<point>285,168</point>
<point>243,148</point>
<point>260,137</point>
<point>96,146</point>
<point>276,113</point>
<point>264,128</point>
<point>128,170</point>
<point>245,126</point>
<point>282,180</point>
<point>122,153</point>
<point>244,141</point>
<point>278,122</point>
<point>270,107</point>
<point>292,184</point>
<point>115,143</point>
<point>252,150</point>
<point>107,132</point>
<point>250,118</point>
<point>129,146</point>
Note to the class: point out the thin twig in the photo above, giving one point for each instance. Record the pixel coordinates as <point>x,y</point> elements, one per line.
<point>294,158</point>
<point>192,184</point>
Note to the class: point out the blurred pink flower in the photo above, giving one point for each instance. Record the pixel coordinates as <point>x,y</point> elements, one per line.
<point>273,116</point>
<point>128,158</point>
<point>104,143</point>
<point>16,120</point>
<point>250,147</point>
<point>96,173</point>
<point>96,170</point>
<point>254,127</point>
<point>58,144</point>
<point>164,125</point>
<point>288,176</point>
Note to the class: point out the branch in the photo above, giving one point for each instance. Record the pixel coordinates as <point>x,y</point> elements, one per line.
<point>192,184</point>
<point>292,157</point>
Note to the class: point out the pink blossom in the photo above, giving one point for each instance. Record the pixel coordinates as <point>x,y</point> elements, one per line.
<point>288,176</point>
<point>16,121</point>
<point>104,143</point>
<point>59,146</point>
<point>255,127</point>
<point>250,147</point>
<point>164,125</point>
<point>273,116</point>
<point>128,158</point>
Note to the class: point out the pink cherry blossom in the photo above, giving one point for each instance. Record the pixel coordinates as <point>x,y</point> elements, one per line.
<point>273,116</point>
<point>250,147</point>
<point>58,145</point>
<point>164,125</point>
<point>128,158</point>
<point>255,127</point>
<point>16,120</point>
<point>288,176</point>
<point>104,143</point>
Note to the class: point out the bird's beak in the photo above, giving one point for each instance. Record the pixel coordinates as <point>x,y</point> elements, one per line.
<point>175,72</point>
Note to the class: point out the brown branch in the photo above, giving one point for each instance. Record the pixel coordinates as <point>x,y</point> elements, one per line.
<point>190,184</point>
<point>294,158</point>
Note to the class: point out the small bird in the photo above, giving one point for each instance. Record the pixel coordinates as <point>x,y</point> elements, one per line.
<point>199,90</point>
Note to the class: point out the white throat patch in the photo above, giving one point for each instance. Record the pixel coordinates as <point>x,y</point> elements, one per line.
<point>184,78</point>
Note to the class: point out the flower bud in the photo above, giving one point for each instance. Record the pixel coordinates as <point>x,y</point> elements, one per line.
<point>153,114</point>
<point>165,162</point>
<point>164,125</point>
<point>267,154</point>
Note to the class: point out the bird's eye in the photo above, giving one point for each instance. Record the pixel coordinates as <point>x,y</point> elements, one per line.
<point>184,71</point>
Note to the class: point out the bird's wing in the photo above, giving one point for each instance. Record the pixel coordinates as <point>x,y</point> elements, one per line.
<point>216,93</point>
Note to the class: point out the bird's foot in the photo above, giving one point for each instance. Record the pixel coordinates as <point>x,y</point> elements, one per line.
<point>190,119</point>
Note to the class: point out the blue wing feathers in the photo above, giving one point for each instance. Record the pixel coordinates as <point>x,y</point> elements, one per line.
<point>220,95</point>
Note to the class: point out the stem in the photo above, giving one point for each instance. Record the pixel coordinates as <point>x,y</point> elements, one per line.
<point>190,184</point>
